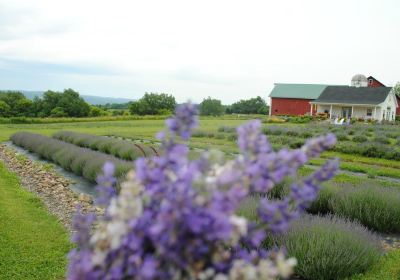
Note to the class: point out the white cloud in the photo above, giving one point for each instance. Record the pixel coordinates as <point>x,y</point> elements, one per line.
<point>194,49</point>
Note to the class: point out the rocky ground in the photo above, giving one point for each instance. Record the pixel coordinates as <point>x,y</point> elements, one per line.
<point>51,187</point>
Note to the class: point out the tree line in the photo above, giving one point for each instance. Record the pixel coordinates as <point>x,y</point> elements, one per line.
<point>52,104</point>
<point>70,104</point>
<point>158,104</point>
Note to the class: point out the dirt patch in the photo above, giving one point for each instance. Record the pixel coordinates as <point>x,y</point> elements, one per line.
<point>52,188</point>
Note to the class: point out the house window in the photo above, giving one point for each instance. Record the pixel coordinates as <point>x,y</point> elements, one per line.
<point>369,112</point>
<point>370,81</point>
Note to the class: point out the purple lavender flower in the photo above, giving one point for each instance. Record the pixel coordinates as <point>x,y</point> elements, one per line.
<point>176,219</point>
<point>106,184</point>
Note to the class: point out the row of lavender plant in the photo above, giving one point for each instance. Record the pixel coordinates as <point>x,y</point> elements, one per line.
<point>176,218</point>
<point>81,161</point>
<point>119,148</point>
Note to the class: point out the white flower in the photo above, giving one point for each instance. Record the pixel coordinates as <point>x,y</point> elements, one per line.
<point>285,266</point>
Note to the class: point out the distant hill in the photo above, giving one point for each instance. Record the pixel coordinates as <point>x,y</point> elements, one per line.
<point>94,100</point>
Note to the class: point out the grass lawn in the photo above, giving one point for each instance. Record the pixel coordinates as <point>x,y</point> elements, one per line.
<point>387,269</point>
<point>33,243</point>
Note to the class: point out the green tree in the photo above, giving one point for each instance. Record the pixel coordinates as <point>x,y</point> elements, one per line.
<point>4,109</point>
<point>249,106</point>
<point>153,104</point>
<point>211,107</point>
<point>49,101</point>
<point>58,112</point>
<point>24,108</point>
<point>96,112</point>
<point>18,103</point>
<point>71,103</point>
<point>396,89</point>
<point>11,97</point>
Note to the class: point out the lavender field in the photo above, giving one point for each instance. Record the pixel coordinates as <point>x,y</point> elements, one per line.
<point>354,218</point>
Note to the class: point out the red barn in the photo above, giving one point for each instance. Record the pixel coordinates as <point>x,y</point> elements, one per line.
<point>294,99</point>
<point>372,82</point>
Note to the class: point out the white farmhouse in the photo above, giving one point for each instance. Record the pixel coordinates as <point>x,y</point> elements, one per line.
<point>375,103</point>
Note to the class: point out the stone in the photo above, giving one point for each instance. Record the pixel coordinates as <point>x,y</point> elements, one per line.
<point>85,198</point>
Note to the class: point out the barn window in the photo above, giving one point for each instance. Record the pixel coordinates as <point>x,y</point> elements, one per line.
<point>371,81</point>
<point>369,112</point>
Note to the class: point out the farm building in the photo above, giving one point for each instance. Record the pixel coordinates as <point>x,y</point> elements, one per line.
<point>294,99</point>
<point>305,99</point>
<point>375,103</point>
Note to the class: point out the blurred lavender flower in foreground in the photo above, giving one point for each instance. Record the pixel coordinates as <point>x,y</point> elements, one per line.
<point>176,219</point>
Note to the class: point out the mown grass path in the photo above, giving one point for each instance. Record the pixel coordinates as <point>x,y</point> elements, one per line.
<point>33,244</point>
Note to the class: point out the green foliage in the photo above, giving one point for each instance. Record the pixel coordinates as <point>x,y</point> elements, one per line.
<point>58,112</point>
<point>126,150</point>
<point>396,89</point>
<point>70,157</point>
<point>33,243</point>
<point>387,268</point>
<point>117,106</point>
<point>96,111</point>
<point>342,137</point>
<point>382,140</point>
<point>330,248</point>
<point>153,104</point>
<point>360,138</point>
<point>374,206</point>
<point>53,104</point>
<point>5,109</point>
<point>211,107</point>
<point>71,103</point>
<point>299,119</point>
<point>249,106</point>
<point>14,104</point>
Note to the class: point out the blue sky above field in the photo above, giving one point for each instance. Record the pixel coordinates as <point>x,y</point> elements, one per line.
<point>194,49</point>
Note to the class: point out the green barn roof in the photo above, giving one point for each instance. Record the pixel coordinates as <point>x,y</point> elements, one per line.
<point>301,91</point>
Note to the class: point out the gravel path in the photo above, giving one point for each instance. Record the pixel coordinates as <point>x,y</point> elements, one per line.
<point>52,188</point>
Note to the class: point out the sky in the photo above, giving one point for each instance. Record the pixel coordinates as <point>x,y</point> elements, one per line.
<point>226,49</point>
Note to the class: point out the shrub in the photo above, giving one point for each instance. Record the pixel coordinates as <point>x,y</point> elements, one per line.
<point>228,129</point>
<point>321,204</point>
<point>122,149</point>
<point>296,143</point>
<point>292,133</point>
<point>306,134</point>
<point>392,135</point>
<point>374,206</point>
<point>79,160</point>
<point>329,248</point>
<point>382,140</point>
<point>219,136</point>
<point>342,136</point>
<point>232,137</point>
<point>360,138</point>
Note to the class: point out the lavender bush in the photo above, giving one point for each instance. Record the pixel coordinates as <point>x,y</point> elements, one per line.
<point>176,219</point>
<point>329,247</point>
<point>119,148</point>
<point>81,161</point>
